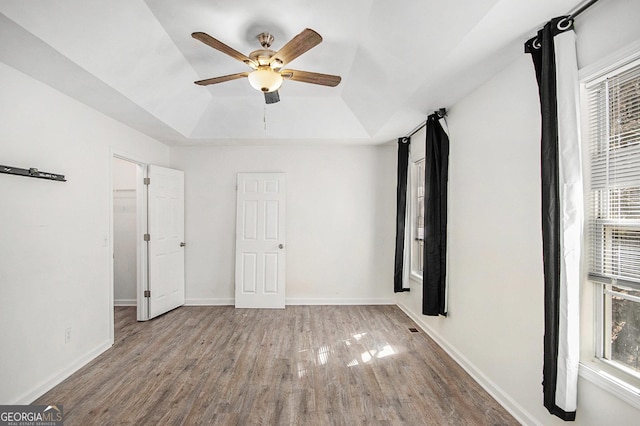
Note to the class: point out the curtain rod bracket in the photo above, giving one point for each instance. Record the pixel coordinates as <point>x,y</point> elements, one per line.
<point>441,113</point>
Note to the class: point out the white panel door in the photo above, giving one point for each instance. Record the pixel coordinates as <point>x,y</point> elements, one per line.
<point>260,240</point>
<point>166,239</point>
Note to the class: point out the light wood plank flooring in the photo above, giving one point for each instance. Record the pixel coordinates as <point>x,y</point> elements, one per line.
<point>305,365</point>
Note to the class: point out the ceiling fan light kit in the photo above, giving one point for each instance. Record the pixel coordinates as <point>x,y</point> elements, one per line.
<point>265,79</point>
<point>267,75</point>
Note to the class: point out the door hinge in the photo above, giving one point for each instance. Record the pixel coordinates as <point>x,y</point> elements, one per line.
<point>147,181</point>
<point>147,293</point>
<point>147,237</point>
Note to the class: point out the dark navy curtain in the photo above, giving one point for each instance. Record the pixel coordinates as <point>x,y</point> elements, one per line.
<point>434,296</point>
<point>401,213</point>
<point>554,57</point>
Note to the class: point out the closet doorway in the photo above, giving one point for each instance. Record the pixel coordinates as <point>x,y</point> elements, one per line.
<point>147,237</point>
<point>125,259</point>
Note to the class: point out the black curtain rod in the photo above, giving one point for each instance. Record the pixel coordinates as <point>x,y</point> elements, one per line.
<point>582,9</point>
<point>441,113</point>
<point>416,130</point>
<point>32,172</point>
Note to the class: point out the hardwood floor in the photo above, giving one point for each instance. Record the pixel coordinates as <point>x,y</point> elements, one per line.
<point>305,365</point>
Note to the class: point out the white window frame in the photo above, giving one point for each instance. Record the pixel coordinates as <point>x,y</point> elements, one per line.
<point>594,367</point>
<point>416,183</point>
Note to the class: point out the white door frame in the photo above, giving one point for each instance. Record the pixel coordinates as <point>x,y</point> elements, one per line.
<point>141,226</point>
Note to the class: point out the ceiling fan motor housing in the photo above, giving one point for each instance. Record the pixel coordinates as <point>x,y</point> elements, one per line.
<point>262,56</point>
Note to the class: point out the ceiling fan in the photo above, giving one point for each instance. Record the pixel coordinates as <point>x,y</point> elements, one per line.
<point>268,73</point>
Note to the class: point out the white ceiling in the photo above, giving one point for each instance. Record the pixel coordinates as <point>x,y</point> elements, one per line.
<point>136,61</point>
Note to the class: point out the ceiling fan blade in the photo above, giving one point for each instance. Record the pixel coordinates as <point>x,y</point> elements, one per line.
<point>297,46</point>
<point>220,46</point>
<point>271,97</point>
<point>311,77</point>
<point>221,79</point>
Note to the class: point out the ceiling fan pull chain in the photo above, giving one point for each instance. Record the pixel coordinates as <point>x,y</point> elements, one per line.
<point>264,117</point>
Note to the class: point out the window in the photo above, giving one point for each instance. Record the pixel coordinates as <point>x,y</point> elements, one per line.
<point>613,215</point>
<point>417,228</point>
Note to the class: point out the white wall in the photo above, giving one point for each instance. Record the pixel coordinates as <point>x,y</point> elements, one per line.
<point>495,325</point>
<point>125,262</point>
<point>340,220</point>
<point>55,254</point>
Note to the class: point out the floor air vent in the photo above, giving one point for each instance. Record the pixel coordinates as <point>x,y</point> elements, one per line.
<point>413,329</point>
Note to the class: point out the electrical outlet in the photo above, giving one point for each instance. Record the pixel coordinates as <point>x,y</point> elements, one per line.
<point>67,335</point>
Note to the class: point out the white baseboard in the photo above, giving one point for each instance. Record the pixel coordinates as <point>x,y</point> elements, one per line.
<point>515,409</point>
<point>57,378</point>
<point>125,302</point>
<point>210,302</point>
<point>294,301</point>
<point>336,301</point>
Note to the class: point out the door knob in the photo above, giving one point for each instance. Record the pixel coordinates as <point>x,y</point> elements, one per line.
<point>182,244</point>
<point>280,246</point>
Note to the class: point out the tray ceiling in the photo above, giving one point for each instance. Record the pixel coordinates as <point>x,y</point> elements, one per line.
<point>136,61</point>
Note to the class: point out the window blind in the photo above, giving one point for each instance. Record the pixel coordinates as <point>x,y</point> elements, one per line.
<point>614,202</point>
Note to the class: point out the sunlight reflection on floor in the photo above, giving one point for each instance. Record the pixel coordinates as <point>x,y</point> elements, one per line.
<point>322,355</point>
